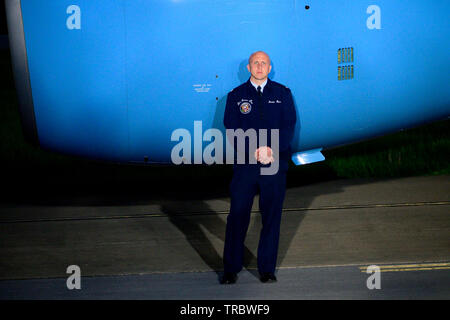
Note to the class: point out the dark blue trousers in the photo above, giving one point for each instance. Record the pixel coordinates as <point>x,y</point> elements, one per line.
<point>246,182</point>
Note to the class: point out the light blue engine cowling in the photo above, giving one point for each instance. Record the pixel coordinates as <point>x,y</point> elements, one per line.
<point>113,79</point>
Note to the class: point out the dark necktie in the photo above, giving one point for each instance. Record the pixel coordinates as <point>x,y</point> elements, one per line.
<point>261,112</point>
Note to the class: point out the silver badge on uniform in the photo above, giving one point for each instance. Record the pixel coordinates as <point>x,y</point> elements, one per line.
<point>245,107</point>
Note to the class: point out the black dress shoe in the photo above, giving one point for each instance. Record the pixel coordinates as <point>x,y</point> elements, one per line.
<point>268,277</point>
<point>228,278</point>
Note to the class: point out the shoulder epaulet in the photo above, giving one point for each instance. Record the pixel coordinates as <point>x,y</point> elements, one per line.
<point>279,85</point>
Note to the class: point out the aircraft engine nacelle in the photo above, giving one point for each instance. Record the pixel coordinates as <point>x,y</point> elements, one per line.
<point>113,79</point>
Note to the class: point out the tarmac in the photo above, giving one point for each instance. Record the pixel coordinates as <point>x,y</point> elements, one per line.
<point>172,249</point>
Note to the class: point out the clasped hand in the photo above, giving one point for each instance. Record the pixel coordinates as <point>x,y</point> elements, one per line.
<point>264,155</point>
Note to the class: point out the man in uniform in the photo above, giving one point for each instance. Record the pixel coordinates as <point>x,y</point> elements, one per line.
<point>260,103</point>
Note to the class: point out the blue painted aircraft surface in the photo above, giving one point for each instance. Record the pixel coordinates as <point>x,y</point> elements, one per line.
<point>113,79</point>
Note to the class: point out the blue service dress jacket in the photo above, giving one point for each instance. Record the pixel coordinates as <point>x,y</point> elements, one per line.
<point>274,109</point>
